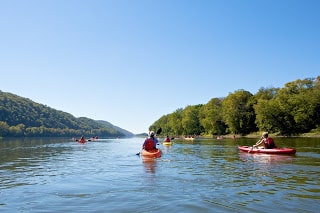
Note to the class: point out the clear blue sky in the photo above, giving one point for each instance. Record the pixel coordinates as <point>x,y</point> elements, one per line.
<point>131,61</point>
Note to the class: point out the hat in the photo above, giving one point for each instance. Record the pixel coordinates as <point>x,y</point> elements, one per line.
<point>265,134</point>
<point>151,133</point>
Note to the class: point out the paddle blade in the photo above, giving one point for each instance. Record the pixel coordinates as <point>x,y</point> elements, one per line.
<point>159,131</point>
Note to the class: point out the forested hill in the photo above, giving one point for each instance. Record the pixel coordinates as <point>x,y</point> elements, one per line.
<point>291,110</point>
<point>23,117</point>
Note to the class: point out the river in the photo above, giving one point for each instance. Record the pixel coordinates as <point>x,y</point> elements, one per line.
<point>206,175</point>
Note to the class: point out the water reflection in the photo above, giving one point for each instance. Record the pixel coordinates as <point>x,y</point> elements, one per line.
<point>166,149</point>
<point>149,164</point>
<point>266,158</point>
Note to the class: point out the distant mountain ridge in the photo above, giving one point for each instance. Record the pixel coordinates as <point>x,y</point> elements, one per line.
<point>108,124</point>
<point>21,116</point>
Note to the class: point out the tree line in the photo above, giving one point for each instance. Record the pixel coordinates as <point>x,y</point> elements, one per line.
<point>290,110</point>
<point>22,117</point>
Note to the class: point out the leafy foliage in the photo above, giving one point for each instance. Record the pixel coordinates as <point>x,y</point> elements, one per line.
<point>290,110</point>
<point>22,117</point>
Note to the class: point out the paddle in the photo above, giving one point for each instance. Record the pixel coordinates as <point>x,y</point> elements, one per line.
<point>254,145</point>
<point>157,132</point>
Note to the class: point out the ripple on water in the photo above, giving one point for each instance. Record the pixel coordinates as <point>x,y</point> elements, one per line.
<point>108,176</point>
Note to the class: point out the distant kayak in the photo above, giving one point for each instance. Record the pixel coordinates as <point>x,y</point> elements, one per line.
<point>81,141</point>
<point>189,139</point>
<point>249,149</point>
<point>155,153</point>
<point>167,143</point>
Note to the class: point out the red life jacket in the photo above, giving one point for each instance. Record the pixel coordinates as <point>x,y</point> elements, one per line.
<point>270,144</point>
<point>149,144</point>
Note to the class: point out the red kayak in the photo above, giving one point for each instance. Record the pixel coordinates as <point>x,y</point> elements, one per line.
<point>81,141</point>
<point>154,153</point>
<point>249,149</point>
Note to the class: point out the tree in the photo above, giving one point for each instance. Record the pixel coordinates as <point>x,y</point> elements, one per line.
<point>190,120</point>
<point>267,114</point>
<point>238,112</point>
<point>4,129</point>
<point>266,109</point>
<point>175,122</point>
<point>299,105</point>
<point>211,117</point>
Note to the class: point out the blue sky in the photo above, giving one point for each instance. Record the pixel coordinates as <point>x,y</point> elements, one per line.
<point>131,61</point>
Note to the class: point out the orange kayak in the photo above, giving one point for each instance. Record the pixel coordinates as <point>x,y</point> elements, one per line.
<point>155,153</point>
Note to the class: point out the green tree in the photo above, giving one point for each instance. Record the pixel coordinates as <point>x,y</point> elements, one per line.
<point>4,129</point>
<point>298,102</point>
<point>266,93</point>
<point>267,114</point>
<point>211,117</point>
<point>190,120</point>
<point>175,122</point>
<point>266,109</point>
<point>238,112</point>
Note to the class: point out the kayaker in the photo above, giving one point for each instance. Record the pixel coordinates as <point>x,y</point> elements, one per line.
<point>167,139</point>
<point>266,141</point>
<point>82,140</point>
<point>151,142</point>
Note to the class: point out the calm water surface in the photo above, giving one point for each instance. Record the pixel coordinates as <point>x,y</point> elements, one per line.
<point>55,175</point>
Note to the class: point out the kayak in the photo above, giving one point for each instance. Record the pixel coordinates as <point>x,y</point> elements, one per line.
<point>249,149</point>
<point>155,153</point>
<point>189,139</point>
<point>81,141</point>
<point>167,143</point>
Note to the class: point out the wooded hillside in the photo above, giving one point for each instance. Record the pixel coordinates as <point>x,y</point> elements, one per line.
<point>23,117</point>
<point>291,110</point>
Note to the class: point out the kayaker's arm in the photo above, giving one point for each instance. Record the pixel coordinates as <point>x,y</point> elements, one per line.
<point>259,142</point>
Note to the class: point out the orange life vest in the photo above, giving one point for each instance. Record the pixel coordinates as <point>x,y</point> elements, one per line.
<point>149,144</point>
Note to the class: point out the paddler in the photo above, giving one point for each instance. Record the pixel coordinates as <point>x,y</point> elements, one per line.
<point>82,139</point>
<point>151,142</point>
<point>167,139</point>
<point>266,141</point>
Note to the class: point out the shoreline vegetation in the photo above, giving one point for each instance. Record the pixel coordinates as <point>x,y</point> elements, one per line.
<point>220,137</point>
<point>290,111</point>
<point>305,135</point>
<point>22,117</point>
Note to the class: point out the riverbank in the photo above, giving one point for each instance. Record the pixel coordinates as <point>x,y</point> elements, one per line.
<point>258,135</point>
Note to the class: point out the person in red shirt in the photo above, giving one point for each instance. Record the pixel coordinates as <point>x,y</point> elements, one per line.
<point>266,141</point>
<point>151,142</point>
<point>167,139</point>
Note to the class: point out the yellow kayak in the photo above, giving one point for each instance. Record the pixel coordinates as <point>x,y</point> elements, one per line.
<point>167,143</point>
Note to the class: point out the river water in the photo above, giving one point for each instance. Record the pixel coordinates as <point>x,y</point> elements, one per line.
<point>207,175</point>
